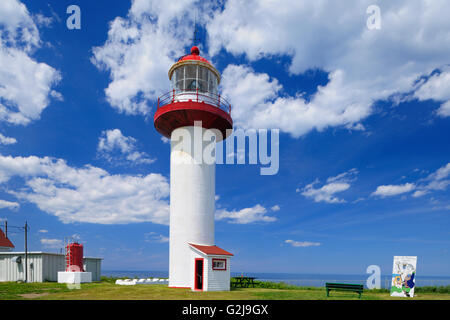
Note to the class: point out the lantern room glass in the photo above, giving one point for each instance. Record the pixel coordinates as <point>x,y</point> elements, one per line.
<point>193,77</point>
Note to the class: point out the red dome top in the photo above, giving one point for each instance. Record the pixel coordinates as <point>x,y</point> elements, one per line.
<point>195,50</point>
<point>195,55</point>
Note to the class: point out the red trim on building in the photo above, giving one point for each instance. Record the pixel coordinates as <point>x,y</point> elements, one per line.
<point>219,269</point>
<point>4,241</point>
<point>211,250</point>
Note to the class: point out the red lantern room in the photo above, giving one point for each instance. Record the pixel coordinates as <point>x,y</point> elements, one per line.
<point>194,97</point>
<point>74,257</point>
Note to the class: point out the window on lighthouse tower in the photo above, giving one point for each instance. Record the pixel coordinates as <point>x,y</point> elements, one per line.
<point>193,77</point>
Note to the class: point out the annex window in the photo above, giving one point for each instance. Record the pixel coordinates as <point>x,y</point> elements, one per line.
<point>219,264</point>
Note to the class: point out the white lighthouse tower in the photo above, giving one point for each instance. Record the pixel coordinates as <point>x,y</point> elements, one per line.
<point>191,111</point>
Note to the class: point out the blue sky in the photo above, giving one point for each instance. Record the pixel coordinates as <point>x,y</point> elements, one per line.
<point>364,114</point>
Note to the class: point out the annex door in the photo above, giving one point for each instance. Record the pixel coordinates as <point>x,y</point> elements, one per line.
<point>198,274</point>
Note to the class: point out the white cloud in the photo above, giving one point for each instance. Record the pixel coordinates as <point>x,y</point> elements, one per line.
<point>302,244</point>
<point>347,176</point>
<point>364,65</point>
<point>165,140</point>
<point>259,104</point>
<point>25,84</point>
<point>245,216</point>
<point>334,185</point>
<point>43,231</point>
<point>115,147</point>
<point>444,110</point>
<point>275,208</point>
<point>18,27</point>
<point>42,20</point>
<point>359,200</point>
<point>326,192</point>
<point>52,243</point>
<point>437,87</point>
<point>393,190</point>
<point>88,194</point>
<point>155,237</point>
<point>436,181</point>
<point>9,205</point>
<point>439,179</point>
<point>419,193</point>
<point>7,140</point>
<point>114,139</point>
<point>76,237</point>
<point>140,49</point>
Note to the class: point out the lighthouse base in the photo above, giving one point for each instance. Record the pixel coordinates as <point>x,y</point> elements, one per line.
<point>74,277</point>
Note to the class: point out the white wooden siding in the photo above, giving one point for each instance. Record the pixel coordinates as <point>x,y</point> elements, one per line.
<point>45,266</point>
<point>218,280</point>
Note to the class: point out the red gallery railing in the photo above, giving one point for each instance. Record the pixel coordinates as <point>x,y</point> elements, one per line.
<point>210,98</point>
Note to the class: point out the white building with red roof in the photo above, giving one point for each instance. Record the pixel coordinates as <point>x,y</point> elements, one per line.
<point>5,243</point>
<point>211,268</point>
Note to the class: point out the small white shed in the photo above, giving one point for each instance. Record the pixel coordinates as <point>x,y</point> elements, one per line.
<point>42,266</point>
<point>210,268</point>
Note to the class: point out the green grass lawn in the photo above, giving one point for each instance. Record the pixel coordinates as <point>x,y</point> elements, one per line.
<point>107,290</point>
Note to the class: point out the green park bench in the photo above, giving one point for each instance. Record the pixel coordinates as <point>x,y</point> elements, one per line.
<point>358,288</point>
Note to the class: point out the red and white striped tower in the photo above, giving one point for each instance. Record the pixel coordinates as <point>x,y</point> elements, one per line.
<point>194,97</point>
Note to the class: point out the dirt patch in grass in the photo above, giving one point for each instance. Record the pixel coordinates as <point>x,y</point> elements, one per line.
<point>34,295</point>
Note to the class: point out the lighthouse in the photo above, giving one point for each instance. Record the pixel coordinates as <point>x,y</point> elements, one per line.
<point>194,116</point>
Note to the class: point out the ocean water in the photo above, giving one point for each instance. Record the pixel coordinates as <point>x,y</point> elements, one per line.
<point>304,280</point>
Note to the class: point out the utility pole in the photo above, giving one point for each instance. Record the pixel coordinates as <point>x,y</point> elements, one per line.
<point>26,252</point>
<point>25,228</point>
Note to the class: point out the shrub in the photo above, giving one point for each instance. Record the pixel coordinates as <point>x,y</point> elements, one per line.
<point>430,289</point>
<point>275,285</point>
